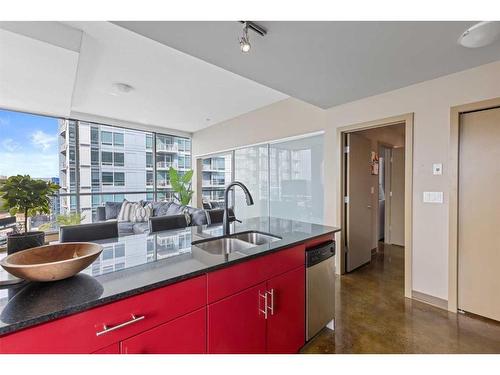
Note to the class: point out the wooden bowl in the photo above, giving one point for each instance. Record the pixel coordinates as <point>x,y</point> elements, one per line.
<point>51,262</point>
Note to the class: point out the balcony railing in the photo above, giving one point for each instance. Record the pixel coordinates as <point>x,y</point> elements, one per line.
<point>163,183</point>
<point>167,147</point>
<point>166,164</point>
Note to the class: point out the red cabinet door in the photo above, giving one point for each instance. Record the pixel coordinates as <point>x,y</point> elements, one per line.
<point>235,324</point>
<point>184,335</point>
<point>286,323</point>
<point>111,349</point>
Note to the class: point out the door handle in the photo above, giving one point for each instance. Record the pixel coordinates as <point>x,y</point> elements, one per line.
<point>263,311</point>
<point>271,307</point>
<point>107,329</point>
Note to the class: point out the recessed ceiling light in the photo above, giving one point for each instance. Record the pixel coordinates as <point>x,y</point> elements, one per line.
<point>120,87</point>
<point>480,35</point>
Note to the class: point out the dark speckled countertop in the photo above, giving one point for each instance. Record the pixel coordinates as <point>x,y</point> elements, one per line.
<point>134,264</point>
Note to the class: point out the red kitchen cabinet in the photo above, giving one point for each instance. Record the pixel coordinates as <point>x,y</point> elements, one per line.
<point>286,317</point>
<point>266,318</point>
<point>97,328</point>
<point>236,324</point>
<point>184,335</point>
<point>111,349</point>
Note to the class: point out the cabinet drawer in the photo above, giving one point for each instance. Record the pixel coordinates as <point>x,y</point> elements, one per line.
<point>84,332</point>
<point>233,279</point>
<point>184,335</point>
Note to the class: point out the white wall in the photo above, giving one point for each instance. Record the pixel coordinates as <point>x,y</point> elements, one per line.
<point>430,101</point>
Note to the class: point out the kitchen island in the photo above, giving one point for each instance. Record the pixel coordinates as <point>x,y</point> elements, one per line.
<point>158,293</point>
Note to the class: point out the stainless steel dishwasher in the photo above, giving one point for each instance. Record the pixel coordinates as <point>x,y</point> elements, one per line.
<point>320,284</point>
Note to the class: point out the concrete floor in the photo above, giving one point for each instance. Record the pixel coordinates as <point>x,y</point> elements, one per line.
<point>372,316</point>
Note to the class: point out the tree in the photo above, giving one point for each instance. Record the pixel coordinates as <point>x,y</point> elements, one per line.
<point>25,194</point>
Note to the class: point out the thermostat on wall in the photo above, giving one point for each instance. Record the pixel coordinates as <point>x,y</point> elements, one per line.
<point>437,169</point>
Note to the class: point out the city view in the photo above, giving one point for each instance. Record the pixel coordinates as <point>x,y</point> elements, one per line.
<point>92,163</point>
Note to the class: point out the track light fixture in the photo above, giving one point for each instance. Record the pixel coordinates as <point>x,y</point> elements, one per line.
<point>244,40</point>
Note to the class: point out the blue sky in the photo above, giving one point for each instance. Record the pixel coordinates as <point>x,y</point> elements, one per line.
<point>28,145</point>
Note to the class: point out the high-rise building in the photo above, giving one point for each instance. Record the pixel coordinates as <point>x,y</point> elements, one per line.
<point>216,173</point>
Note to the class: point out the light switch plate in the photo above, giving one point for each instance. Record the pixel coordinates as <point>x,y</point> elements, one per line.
<point>437,169</point>
<point>433,197</point>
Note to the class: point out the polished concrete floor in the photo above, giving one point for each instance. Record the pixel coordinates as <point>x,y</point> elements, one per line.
<point>372,316</point>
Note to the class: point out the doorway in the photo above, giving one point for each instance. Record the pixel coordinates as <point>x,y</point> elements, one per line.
<point>375,207</point>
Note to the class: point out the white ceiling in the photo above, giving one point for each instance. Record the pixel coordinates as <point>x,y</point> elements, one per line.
<point>171,89</point>
<point>327,63</point>
<point>35,76</point>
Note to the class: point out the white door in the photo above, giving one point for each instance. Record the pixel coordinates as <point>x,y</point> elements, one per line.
<point>479,214</point>
<point>358,208</point>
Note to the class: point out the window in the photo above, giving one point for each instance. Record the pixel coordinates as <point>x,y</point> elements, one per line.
<point>149,160</point>
<point>72,156</point>
<point>94,135</point>
<point>118,139</point>
<point>106,138</point>
<point>119,159</point>
<point>95,178</point>
<point>94,156</point>
<point>107,178</point>
<point>149,141</point>
<point>107,158</point>
<point>149,178</point>
<point>119,179</point>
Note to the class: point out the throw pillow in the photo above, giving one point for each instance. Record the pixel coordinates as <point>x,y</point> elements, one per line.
<point>187,215</point>
<point>112,209</point>
<point>142,214</point>
<point>127,211</point>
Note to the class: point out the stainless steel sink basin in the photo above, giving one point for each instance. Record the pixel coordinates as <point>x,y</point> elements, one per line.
<point>256,238</point>
<point>223,245</point>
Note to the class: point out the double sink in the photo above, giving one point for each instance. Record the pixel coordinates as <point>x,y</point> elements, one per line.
<point>235,242</point>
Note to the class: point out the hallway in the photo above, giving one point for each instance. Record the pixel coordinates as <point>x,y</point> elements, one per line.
<point>372,316</point>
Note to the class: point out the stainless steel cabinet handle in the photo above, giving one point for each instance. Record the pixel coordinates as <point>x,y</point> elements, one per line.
<point>271,307</point>
<point>107,329</point>
<point>263,295</point>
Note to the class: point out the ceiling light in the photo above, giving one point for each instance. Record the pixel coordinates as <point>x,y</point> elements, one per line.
<point>120,87</point>
<point>480,35</point>
<point>244,41</point>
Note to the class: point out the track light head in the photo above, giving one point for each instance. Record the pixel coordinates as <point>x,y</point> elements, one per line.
<point>244,40</point>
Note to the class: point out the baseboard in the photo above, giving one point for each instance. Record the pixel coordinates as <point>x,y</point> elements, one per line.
<point>431,300</point>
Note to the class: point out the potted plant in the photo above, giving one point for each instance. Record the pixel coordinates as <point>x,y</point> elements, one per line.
<point>31,197</point>
<point>181,185</point>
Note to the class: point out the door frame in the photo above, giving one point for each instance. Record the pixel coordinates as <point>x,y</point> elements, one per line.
<point>407,120</point>
<point>453,161</point>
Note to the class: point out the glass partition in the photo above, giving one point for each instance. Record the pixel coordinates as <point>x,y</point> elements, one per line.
<point>251,166</point>
<point>285,179</point>
<point>296,179</point>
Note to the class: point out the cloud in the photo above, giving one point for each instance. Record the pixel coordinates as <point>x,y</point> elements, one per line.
<point>10,145</point>
<point>43,140</point>
<point>36,165</point>
<point>4,121</point>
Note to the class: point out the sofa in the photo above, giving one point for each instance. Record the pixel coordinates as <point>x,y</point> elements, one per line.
<point>110,211</point>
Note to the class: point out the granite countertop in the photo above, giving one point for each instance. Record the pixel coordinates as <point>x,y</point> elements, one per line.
<point>134,264</point>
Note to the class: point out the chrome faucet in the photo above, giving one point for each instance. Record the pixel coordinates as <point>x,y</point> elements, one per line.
<point>248,197</point>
